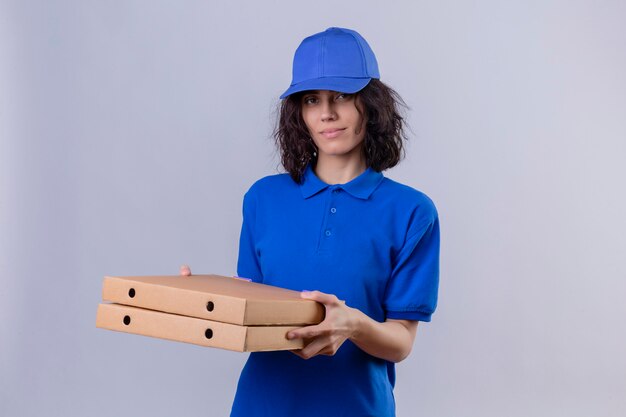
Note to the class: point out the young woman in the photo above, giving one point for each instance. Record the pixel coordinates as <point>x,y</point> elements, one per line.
<point>335,228</point>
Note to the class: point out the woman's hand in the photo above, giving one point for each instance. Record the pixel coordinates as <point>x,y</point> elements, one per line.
<point>326,338</point>
<point>391,340</point>
<point>185,271</point>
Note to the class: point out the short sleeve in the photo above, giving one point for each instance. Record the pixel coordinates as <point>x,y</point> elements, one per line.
<point>412,289</point>
<point>248,261</point>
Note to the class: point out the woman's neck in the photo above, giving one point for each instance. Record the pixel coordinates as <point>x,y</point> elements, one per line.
<point>334,170</point>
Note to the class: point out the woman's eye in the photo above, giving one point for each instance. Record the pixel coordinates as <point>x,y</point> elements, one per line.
<point>310,100</point>
<point>343,96</point>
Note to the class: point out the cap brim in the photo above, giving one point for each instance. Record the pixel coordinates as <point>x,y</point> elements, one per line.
<point>341,84</point>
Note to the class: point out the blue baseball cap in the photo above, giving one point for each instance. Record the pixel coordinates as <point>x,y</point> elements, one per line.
<point>337,59</point>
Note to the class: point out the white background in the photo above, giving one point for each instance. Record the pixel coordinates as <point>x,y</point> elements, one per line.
<point>129,131</point>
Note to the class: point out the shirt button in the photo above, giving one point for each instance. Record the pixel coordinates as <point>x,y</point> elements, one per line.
<point>336,190</point>
<point>333,210</point>
<point>328,233</point>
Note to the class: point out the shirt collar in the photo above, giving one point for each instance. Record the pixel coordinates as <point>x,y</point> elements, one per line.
<point>361,187</point>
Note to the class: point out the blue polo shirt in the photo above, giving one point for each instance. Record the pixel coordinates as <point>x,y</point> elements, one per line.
<point>372,242</point>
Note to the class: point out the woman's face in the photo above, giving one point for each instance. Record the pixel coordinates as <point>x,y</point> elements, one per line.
<point>334,123</point>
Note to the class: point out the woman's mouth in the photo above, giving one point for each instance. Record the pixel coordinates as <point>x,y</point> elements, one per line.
<point>332,133</point>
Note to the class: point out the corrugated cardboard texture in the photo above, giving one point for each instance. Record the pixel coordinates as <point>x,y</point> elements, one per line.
<point>193,330</point>
<point>216,298</point>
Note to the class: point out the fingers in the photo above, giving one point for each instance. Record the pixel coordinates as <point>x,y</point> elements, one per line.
<point>185,270</point>
<point>306,332</point>
<point>298,353</point>
<point>320,297</point>
<point>313,348</point>
<point>320,346</point>
<point>242,279</point>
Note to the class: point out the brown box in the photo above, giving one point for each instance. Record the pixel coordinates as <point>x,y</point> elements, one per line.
<point>216,298</point>
<point>193,330</point>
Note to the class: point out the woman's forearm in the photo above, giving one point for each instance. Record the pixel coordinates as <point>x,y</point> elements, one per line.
<point>391,340</point>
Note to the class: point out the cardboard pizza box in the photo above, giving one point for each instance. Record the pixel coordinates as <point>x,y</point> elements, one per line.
<point>194,330</point>
<point>216,298</point>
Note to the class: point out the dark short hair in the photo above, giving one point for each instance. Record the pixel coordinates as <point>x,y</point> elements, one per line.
<point>384,137</point>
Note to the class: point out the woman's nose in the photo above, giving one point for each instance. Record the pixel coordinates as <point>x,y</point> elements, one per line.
<point>328,111</point>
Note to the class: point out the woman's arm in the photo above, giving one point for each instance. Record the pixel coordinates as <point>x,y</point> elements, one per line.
<point>391,340</point>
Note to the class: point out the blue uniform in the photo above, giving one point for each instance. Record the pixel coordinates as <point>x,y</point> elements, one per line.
<point>372,242</point>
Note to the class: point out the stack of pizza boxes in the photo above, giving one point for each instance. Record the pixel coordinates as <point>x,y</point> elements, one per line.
<point>207,310</point>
